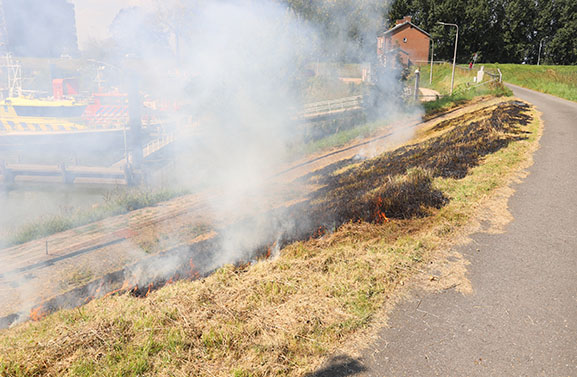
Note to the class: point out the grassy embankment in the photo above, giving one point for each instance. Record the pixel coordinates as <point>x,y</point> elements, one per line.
<point>115,203</point>
<point>441,83</point>
<point>283,316</point>
<point>560,81</point>
<point>123,201</point>
<point>463,91</point>
<point>319,88</point>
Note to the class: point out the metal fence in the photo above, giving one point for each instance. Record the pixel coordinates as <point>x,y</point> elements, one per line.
<point>158,144</point>
<point>332,106</point>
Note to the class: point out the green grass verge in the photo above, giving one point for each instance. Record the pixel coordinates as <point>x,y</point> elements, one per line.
<point>442,74</point>
<point>463,91</point>
<point>115,203</point>
<point>560,81</point>
<point>441,82</point>
<point>463,96</point>
<point>338,139</point>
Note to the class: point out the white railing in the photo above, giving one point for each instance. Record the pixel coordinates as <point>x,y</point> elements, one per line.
<point>495,76</point>
<point>158,144</point>
<point>333,106</point>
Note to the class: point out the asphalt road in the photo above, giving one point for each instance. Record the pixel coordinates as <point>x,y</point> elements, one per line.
<point>521,319</point>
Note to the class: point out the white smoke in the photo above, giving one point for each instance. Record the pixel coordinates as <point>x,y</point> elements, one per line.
<point>237,70</point>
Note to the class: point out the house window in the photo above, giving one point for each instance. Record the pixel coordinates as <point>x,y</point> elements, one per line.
<point>405,40</point>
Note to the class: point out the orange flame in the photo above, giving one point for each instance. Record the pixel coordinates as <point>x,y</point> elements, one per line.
<point>126,286</point>
<point>194,274</point>
<point>271,248</point>
<point>150,286</point>
<point>380,215</point>
<point>37,313</point>
<point>321,231</point>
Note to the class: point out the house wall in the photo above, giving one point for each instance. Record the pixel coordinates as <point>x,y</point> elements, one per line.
<point>408,39</point>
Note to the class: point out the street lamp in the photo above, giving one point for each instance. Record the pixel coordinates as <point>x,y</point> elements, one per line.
<point>432,60</point>
<point>539,56</point>
<point>454,56</point>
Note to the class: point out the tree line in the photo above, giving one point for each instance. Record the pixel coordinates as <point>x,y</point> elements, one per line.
<point>503,31</point>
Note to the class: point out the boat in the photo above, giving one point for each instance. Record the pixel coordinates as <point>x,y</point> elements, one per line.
<point>25,114</point>
<point>107,110</point>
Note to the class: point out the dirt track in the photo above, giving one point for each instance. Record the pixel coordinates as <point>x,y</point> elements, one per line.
<point>521,318</point>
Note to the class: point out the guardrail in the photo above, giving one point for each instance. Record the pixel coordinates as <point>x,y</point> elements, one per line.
<point>496,76</point>
<point>332,106</point>
<point>157,144</point>
<point>63,173</point>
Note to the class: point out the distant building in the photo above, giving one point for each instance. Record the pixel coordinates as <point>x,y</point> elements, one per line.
<point>404,44</point>
<point>38,28</point>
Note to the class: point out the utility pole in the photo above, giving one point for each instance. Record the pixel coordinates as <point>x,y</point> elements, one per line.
<point>455,55</point>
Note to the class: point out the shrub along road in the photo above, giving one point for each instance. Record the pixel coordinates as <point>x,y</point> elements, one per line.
<point>521,318</point>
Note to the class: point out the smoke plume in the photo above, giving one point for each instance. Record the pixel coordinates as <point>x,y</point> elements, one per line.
<point>236,73</point>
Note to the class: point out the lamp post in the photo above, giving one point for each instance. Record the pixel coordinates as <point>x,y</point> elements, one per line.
<point>539,56</point>
<point>455,55</point>
<point>432,60</point>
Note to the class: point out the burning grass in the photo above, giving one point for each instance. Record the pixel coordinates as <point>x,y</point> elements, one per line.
<point>399,184</point>
<point>283,316</point>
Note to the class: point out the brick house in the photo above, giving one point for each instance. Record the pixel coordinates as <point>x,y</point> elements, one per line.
<point>405,43</point>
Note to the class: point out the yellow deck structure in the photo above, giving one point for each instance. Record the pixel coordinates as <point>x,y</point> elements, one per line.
<point>29,115</point>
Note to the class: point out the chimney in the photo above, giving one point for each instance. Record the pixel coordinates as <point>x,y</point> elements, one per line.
<point>405,19</point>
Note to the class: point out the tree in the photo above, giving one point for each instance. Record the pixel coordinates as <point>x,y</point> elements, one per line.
<point>136,34</point>
<point>507,31</point>
<point>558,30</point>
<point>348,28</point>
<point>519,31</point>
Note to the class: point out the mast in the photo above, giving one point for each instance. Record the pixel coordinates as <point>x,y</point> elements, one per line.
<point>3,31</point>
<point>14,73</point>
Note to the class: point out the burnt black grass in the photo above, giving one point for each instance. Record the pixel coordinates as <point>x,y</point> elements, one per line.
<point>399,184</point>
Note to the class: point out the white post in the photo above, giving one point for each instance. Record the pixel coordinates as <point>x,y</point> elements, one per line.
<point>417,78</point>
<point>125,146</point>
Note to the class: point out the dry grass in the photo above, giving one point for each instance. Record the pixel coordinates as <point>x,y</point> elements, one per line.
<point>283,316</point>
<point>399,184</point>
<point>260,319</point>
